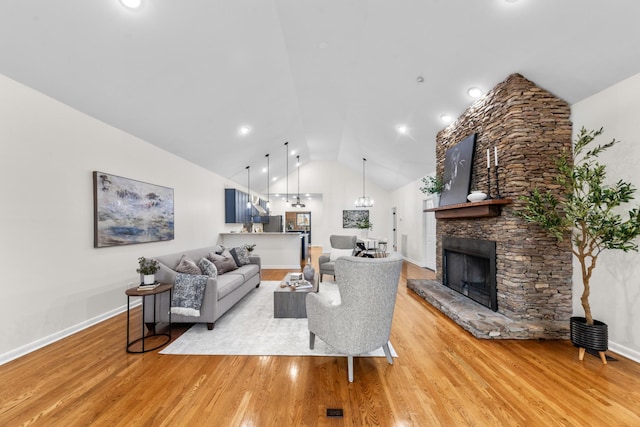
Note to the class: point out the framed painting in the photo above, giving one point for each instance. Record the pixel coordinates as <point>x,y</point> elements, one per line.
<point>126,211</point>
<point>458,164</point>
<point>350,219</point>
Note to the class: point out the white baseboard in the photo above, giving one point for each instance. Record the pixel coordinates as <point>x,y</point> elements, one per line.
<point>42,342</point>
<point>625,351</point>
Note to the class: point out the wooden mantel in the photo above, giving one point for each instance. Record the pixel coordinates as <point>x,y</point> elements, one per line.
<point>482,209</point>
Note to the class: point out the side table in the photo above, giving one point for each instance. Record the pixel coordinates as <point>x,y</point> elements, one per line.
<point>134,292</point>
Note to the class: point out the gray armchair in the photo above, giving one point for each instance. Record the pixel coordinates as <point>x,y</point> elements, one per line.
<point>361,322</point>
<point>341,243</point>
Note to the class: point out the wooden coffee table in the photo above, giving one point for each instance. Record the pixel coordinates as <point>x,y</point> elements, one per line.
<point>290,303</point>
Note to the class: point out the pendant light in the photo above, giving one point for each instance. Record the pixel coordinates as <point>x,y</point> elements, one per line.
<point>297,204</point>
<point>268,195</point>
<point>286,146</point>
<point>364,201</point>
<point>249,186</point>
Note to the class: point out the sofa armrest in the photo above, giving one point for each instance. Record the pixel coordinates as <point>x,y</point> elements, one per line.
<point>255,259</point>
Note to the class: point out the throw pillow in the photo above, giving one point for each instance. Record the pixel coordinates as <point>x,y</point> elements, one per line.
<point>240,256</point>
<point>224,264</point>
<point>337,253</point>
<point>187,266</point>
<point>219,249</point>
<point>208,268</point>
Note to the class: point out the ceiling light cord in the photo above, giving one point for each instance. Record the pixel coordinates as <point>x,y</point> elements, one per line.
<point>268,192</point>
<point>286,145</point>
<point>364,201</point>
<point>297,204</point>
<point>248,168</point>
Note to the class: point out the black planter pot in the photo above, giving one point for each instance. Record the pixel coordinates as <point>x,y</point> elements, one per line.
<point>591,337</point>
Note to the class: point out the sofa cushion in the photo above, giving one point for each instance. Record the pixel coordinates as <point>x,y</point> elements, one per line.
<point>208,268</point>
<point>248,271</point>
<point>187,266</point>
<point>240,256</point>
<point>228,283</point>
<point>223,264</point>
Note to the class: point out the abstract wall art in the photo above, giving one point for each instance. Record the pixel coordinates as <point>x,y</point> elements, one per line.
<point>127,211</point>
<point>458,163</point>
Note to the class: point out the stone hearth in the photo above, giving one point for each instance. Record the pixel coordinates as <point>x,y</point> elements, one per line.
<point>529,127</point>
<point>480,321</point>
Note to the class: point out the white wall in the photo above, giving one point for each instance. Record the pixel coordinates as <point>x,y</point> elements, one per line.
<point>409,201</point>
<point>339,187</point>
<point>615,295</point>
<point>53,280</point>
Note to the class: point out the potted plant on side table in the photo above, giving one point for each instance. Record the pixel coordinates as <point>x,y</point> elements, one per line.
<point>147,268</point>
<point>432,185</point>
<point>587,210</point>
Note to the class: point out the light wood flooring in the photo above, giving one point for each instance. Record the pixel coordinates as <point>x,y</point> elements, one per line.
<point>442,377</point>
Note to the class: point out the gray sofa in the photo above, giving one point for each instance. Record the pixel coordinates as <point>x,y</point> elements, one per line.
<point>220,293</point>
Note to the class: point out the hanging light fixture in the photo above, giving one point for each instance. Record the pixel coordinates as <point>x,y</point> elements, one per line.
<point>364,201</point>
<point>286,146</point>
<point>297,204</point>
<point>268,195</point>
<point>249,186</point>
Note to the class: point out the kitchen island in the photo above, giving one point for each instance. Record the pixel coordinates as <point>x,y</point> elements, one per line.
<point>276,250</point>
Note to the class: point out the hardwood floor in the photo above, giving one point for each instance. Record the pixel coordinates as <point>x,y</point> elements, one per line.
<point>442,377</point>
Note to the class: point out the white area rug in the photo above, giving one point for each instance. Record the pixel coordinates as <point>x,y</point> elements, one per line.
<point>249,328</point>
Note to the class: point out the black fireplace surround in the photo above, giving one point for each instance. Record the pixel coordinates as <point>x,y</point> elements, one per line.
<point>469,267</point>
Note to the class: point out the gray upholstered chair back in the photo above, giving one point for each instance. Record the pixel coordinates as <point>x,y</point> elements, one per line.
<point>337,242</point>
<point>343,242</point>
<point>362,321</point>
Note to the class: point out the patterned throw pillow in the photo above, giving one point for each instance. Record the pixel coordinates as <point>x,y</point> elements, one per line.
<point>208,268</point>
<point>187,266</point>
<point>240,256</point>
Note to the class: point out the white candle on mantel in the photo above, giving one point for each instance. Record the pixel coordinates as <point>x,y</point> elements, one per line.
<point>495,154</point>
<point>488,159</point>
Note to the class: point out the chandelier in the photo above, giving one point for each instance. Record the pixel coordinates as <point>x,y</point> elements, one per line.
<point>364,201</point>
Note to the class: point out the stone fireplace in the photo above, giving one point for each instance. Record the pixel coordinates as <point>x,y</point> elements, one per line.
<point>527,279</point>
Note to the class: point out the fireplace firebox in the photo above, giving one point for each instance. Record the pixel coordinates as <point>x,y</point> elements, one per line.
<point>469,267</point>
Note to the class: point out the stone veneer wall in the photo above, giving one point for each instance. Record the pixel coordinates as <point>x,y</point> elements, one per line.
<point>530,127</point>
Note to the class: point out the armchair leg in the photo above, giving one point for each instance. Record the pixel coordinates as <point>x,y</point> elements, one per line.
<point>312,340</point>
<point>387,352</point>
<point>350,367</point>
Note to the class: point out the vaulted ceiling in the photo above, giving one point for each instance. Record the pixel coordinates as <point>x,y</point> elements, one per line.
<point>334,78</point>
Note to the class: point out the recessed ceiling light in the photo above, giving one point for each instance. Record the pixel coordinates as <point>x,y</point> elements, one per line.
<point>474,92</point>
<point>131,4</point>
<point>445,118</point>
<point>420,79</point>
<point>244,130</point>
<point>403,129</point>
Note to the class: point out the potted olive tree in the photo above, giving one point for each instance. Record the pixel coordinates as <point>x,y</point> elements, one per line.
<point>432,185</point>
<point>587,210</point>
